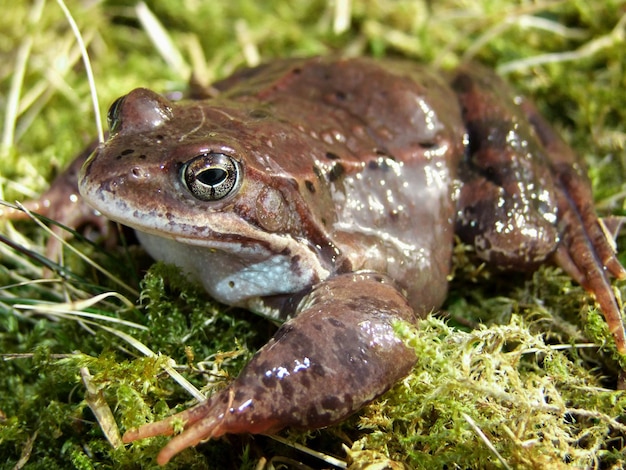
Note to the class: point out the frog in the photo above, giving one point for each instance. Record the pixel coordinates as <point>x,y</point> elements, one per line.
<point>326,194</point>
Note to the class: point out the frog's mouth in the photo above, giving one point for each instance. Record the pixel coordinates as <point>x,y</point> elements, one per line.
<point>239,270</point>
<point>215,230</point>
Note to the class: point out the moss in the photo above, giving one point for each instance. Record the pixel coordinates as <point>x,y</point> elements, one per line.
<point>523,379</point>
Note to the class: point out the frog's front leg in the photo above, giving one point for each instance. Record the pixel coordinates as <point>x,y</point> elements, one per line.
<point>526,196</point>
<point>338,353</point>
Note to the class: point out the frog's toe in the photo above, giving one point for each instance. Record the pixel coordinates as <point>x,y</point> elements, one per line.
<point>587,253</point>
<point>208,420</point>
<point>198,432</point>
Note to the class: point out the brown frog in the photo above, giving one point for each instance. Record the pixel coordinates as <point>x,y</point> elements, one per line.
<point>327,192</point>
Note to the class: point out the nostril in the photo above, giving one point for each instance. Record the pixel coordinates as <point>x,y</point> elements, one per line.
<point>138,173</point>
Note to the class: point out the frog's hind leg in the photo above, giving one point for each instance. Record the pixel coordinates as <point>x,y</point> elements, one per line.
<point>337,354</point>
<point>526,196</point>
<point>586,251</point>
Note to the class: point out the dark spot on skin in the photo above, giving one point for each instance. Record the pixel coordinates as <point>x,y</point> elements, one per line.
<point>238,395</point>
<point>231,284</point>
<point>119,157</point>
<point>310,186</point>
<point>260,369</point>
<point>301,343</point>
<point>287,389</point>
<point>491,174</point>
<point>324,223</point>
<point>259,392</point>
<point>336,323</point>
<point>462,83</point>
<point>340,95</point>
<point>348,401</point>
<point>311,415</point>
<point>331,402</point>
<point>305,382</point>
<point>269,381</point>
<point>318,369</point>
<point>142,157</point>
<point>127,151</point>
<point>297,71</point>
<point>469,212</point>
<point>332,156</point>
<point>375,306</point>
<point>355,360</point>
<point>314,417</point>
<point>336,171</point>
<point>380,164</point>
<point>159,138</point>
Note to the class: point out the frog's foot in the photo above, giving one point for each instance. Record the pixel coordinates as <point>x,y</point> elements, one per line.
<point>208,420</point>
<point>339,353</point>
<point>63,204</point>
<point>579,256</point>
<point>587,249</point>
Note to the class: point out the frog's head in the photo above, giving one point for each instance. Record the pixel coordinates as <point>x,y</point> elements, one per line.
<point>204,189</point>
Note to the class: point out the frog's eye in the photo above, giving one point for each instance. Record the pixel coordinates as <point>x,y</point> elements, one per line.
<point>113,115</point>
<point>212,176</point>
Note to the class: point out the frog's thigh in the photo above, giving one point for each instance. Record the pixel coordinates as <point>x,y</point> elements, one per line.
<point>501,227</point>
<point>507,205</point>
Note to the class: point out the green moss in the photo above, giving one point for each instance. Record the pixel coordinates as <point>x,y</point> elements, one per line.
<point>537,405</point>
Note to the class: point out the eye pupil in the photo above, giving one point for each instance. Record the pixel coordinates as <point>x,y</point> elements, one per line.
<point>211,176</point>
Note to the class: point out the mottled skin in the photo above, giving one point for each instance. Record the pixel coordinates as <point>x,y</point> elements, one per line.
<point>328,192</point>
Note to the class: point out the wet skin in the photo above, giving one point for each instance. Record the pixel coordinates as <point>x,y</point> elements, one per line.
<point>327,193</point>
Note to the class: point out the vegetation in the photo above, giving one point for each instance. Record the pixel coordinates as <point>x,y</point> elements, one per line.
<point>522,372</point>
